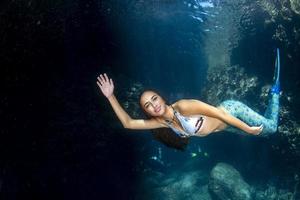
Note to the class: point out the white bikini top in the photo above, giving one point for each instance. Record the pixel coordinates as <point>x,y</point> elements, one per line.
<point>190,124</point>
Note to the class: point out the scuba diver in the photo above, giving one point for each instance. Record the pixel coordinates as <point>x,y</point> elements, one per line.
<point>191,117</point>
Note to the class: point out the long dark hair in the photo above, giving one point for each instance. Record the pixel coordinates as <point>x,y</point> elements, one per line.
<point>166,135</point>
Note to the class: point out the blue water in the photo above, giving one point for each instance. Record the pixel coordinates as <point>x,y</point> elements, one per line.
<point>61,139</point>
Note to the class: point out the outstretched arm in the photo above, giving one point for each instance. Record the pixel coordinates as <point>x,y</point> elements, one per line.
<point>107,87</point>
<point>193,106</point>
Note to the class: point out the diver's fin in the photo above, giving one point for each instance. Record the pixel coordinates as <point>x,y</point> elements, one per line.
<point>276,86</point>
<point>277,67</point>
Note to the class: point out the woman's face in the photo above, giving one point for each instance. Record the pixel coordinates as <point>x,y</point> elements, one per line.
<point>152,103</point>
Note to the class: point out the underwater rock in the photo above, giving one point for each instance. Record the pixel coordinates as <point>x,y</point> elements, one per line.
<point>281,35</point>
<point>250,21</point>
<point>230,82</point>
<point>270,7</point>
<point>227,183</point>
<point>295,6</point>
<point>187,185</point>
<point>131,104</point>
<point>281,19</point>
<point>288,127</point>
<point>272,193</point>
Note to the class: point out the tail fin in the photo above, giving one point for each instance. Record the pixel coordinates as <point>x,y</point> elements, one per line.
<point>276,86</point>
<point>277,68</point>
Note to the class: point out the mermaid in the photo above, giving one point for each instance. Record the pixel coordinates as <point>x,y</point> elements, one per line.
<point>192,117</point>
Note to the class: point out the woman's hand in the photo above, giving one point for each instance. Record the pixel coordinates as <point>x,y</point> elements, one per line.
<point>106,85</point>
<point>256,130</point>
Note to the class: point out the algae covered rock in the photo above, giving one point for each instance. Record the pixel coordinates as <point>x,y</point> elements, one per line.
<point>295,6</point>
<point>229,82</point>
<point>227,183</point>
<point>178,186</point>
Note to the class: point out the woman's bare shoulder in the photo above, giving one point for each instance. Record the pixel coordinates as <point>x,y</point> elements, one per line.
<point>188,106</point>
<point>181,104</point>
<point>176,104</point>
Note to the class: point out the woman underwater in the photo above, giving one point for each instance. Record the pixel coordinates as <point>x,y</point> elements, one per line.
<point>191,117</point>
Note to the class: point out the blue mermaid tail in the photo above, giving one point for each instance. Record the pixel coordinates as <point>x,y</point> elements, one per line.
<point>269,120</point>
<point>276,87</point>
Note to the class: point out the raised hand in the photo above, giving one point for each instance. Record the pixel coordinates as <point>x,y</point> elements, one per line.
<point>106,85</point>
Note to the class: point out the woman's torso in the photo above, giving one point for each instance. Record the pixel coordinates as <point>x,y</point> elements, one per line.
<point>195,125</point>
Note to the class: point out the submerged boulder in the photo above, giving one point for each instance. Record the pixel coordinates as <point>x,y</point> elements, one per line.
<point>227,184</point>
<point>295,6</point>
<point>177,186</point>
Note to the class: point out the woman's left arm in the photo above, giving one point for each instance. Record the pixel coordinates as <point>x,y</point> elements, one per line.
<point>193,106</point>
